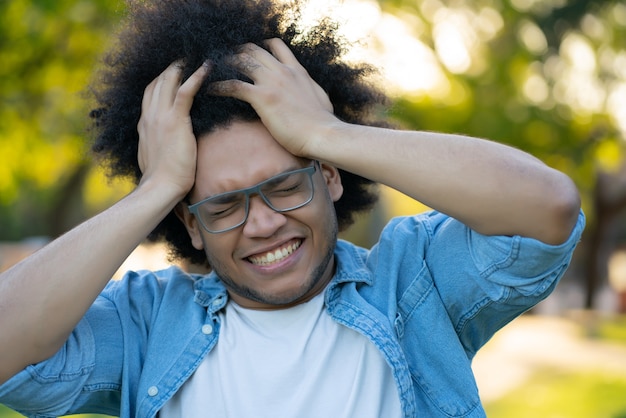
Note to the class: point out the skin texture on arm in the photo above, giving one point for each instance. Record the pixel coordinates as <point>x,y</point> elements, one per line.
<point>492,188</point>
<point>67,275</point>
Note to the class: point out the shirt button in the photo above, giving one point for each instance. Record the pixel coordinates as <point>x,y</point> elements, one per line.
<point>153,391</point>
<point>207,329</point>
<point>217,302</point>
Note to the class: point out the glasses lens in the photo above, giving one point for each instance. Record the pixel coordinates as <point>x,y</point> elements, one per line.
<point>282,193</point>
<point>224,212</point>
<point>289,191</point>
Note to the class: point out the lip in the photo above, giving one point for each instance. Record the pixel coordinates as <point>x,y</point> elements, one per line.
<point>283,264</point>
<point>270,247</point>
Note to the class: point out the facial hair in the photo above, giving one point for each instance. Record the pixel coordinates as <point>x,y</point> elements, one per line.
<point>329,236</point>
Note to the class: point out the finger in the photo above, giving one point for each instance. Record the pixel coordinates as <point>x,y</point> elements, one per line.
<point>168,83</point>
<point>146,100</point>
<point>237,89</point>
<point>162,89</point>
<point>191,86</point>
<point>250,59</point>
<point>147,96</point>
<point>281,51</point>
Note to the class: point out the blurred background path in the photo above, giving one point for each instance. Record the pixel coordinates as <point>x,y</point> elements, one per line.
<point>531,343</point>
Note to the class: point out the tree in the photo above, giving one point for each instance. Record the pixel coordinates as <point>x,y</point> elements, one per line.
<point>544,76</point>
<point>48,50</point>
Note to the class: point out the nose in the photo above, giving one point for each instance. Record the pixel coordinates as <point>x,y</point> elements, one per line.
<point>262,221</point>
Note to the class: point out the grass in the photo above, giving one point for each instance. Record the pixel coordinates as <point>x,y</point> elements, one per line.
<point>556,393</point>
<point>8,413</point>
<point>613,329</point>
<point>553,393</point>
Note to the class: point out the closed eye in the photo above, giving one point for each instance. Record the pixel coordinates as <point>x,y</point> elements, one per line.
<point>286,189</point>
<point>221,212</point>
<point>283,184</point>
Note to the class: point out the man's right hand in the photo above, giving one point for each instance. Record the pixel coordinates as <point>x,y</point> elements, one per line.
<point>167,145</point>
<point>66,276</point>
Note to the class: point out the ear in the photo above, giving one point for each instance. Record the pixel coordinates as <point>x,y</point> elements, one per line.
<point>191,224</point>
<point>332,179</point>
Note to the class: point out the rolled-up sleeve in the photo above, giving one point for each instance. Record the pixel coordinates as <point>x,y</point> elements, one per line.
<point>69,381</point>
<point>486,281</point>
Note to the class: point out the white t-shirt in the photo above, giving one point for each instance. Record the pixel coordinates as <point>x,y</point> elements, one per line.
<point>288,363</point>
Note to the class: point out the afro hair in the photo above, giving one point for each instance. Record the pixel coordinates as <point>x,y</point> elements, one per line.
<point>155,34</point>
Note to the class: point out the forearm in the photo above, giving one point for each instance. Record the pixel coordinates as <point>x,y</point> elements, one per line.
<point>45,296</point>
<point>493,188</point>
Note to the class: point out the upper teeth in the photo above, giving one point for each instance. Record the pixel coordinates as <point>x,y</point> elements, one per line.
<point>274,256</point>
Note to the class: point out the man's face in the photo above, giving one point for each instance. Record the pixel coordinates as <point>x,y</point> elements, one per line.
<point>240,156</point>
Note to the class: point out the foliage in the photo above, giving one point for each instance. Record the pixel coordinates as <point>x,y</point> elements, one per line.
<point>545,76</point>
<point>48,50</point>
<point>542,76</point>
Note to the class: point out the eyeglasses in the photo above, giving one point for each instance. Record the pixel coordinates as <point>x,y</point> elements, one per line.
<point>226,211</point>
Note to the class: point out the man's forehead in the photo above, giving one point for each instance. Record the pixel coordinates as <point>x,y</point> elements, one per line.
<point>240,139</point>
<point>240,156</point>
<point>220,184</point>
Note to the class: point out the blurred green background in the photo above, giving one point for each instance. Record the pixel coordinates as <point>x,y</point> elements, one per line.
<point>546,76</point>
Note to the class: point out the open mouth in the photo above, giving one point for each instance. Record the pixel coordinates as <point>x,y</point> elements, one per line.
<point>276,255</point>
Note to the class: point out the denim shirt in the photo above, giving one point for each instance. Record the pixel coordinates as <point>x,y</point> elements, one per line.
<point>429,294</point>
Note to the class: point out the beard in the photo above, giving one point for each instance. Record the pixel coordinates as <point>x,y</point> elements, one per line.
<point>316,279</point>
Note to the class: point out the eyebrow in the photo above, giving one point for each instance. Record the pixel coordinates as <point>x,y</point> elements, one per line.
<point>227,197</point>
<point>224,198</point>
<point>277,179</point>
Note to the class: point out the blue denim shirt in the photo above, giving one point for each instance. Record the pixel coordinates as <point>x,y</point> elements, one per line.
<point>429,294</point>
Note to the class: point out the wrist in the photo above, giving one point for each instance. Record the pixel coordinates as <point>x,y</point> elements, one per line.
<point>160,194</point>
<point>326,140</point>
<point>333,143</point>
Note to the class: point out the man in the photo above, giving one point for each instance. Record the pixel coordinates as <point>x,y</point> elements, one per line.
<point>255,140</point>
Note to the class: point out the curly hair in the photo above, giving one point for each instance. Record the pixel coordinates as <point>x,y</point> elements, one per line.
<point>157,33</point>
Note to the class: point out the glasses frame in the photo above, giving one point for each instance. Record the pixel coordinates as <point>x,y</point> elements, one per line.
<point>254,190</point>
